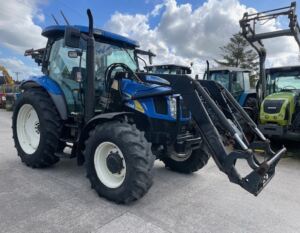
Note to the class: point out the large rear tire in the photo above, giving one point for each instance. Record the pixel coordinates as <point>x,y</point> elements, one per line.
<point>119,162</point>
<point>36,129</point>
<point>193,162</point>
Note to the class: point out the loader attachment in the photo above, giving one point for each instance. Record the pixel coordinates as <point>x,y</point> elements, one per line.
<point>222,122</point>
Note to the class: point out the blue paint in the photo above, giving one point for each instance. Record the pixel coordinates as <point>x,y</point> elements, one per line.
<point>44,81</point>
<point>52,31</point>
<point>152,78</point>
<point>243,98</point>
<point>131,88</point>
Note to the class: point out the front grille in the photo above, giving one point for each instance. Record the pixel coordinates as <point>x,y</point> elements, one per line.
<point>161,105</point>
<point>185,113</point>
<point>273,106</point>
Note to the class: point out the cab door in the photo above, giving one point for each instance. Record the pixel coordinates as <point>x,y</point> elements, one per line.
<point>61,69</point>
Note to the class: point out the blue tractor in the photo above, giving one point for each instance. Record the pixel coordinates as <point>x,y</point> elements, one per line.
<point>118,120</point>
<point>237,81</point>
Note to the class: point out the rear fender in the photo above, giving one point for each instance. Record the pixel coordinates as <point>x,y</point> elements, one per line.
<point>52,89</point>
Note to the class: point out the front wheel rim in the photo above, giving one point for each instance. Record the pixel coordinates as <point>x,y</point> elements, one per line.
<point>181,157</point>
<point>28,129</point>
<point>109,179</point>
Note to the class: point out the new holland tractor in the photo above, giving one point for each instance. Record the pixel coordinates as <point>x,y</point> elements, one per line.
<point>118,120</point>
<point>278,87</point>
<point>237,81</point>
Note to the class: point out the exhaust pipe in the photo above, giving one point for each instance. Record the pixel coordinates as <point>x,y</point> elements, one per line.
<point>89,92</point>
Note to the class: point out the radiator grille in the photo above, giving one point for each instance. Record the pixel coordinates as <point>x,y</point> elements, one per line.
<point>273,106</point>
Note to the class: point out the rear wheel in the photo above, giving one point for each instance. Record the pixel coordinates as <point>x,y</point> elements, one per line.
<point>190,162</point>
<point>36,129</point>
<point>119,162</point>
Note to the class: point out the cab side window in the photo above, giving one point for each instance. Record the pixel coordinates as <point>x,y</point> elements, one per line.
<point>238,82</point>
<point>60,69</point>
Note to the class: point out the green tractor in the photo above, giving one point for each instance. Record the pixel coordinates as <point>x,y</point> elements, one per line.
<point>280,110</point>
<point>278,87</point>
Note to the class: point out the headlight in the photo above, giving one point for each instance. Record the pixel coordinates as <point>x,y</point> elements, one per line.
<point>173,107</point>
<point>3,98</point>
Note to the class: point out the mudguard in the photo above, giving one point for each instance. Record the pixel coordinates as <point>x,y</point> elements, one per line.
<point>101,118</point>
<point>52,89</point>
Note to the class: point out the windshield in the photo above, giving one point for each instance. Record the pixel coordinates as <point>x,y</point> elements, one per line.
<point>283,80</point>
<point>220,77</point>
<point>106,54</point>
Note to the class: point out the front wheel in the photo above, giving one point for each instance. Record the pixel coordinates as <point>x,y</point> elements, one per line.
<point>190,162</point>
<point>119,162</point>
<point>36,129</point>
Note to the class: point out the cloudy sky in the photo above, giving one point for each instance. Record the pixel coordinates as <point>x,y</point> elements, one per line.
<point>179,31</point>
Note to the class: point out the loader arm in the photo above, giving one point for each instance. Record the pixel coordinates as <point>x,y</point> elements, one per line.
<point>248,25</point>
<point>208,99</point>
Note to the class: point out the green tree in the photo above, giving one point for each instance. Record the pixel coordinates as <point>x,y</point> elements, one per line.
<point>238,53</point>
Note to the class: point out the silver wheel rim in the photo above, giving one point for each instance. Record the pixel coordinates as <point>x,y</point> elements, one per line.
<point>109,179</point>
<point>28,129</point>
<point>180,157</point>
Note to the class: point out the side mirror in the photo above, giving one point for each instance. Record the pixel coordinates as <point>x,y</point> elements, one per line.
<point>151,55</point>
<point>72,37</point>
<point>150,60</point>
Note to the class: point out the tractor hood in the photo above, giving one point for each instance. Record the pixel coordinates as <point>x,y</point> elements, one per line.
<point>134,89</point>
<point>278,108</point>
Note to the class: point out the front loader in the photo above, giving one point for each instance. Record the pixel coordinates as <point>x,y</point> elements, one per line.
<point>118,120</point>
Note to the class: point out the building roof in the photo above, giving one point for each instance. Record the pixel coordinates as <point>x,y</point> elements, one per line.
<point>57,30</point>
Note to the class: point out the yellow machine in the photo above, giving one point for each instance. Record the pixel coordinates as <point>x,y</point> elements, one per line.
<point>5,78</point>
<point>6,84</point>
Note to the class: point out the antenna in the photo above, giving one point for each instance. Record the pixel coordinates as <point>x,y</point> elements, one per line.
<point>54,19</point>
<point>62,13</point>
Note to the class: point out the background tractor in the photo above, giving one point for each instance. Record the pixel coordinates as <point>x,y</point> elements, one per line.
<point>277,88</point>
<point>168,69</point>
<point>118,120</point>
<point>237,82</point>
<point>280,111</point>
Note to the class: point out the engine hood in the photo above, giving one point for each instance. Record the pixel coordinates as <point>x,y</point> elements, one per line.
<point>132,88</point>
<point>282,95</point>
<point>278,108</point>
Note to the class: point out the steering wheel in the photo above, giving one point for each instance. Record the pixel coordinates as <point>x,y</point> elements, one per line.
<point>109,70</point>
<point>289,88</point>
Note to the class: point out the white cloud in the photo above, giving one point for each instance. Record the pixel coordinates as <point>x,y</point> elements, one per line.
<point>16,65</point>
<point>17,28</point>
<point>185,34</point>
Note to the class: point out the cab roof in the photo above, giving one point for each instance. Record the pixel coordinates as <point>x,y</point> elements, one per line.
<point>282,68</point>
<point>58,30</point>
<point>229,68</point>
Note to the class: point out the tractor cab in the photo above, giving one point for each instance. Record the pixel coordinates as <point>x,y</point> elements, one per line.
<point>235,80</point>
<point>67,66</point>
<point>168,69</point>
